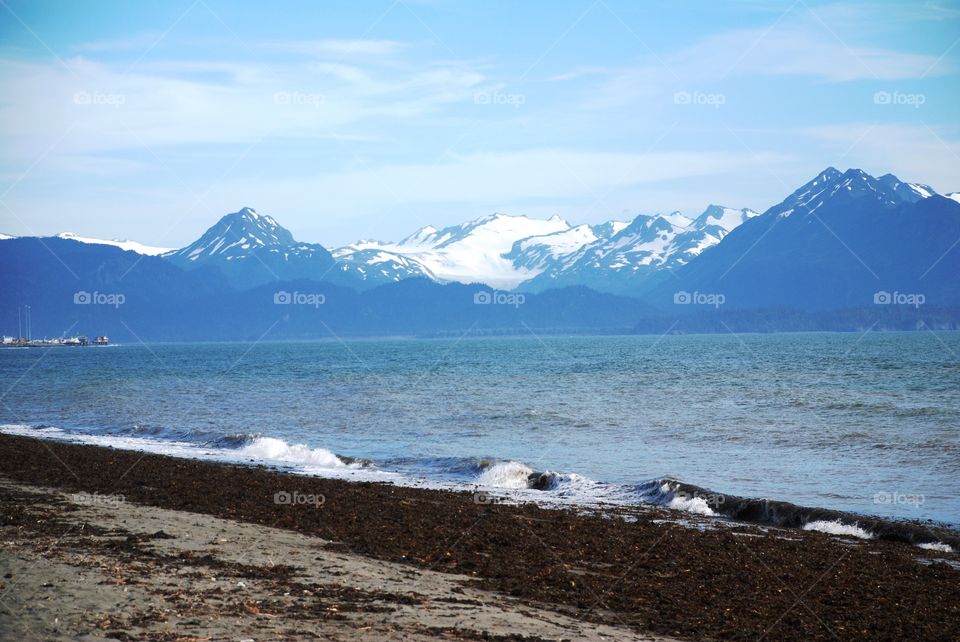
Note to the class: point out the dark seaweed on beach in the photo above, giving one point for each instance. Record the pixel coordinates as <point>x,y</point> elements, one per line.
<point>727,582</point>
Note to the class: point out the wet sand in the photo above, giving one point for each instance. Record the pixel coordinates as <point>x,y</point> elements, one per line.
<point>375,561</point>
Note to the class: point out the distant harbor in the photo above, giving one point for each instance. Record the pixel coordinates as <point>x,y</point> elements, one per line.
<point>78,341</point>
<point>24,338</point>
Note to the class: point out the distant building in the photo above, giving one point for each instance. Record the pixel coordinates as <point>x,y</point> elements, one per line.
<point>101,341</point>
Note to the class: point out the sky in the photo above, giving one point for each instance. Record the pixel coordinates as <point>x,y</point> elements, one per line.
<point>347,121</point>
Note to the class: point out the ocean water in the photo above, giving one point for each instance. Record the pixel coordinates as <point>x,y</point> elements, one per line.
<point>864,423</point>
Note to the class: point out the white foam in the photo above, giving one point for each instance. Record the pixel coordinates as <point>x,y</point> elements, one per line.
<point>696,505</point>
<point>279,451</point>
<point>263,450</point>
<point>936,546</point>
<point>507,474</point>
<point>838,528</point>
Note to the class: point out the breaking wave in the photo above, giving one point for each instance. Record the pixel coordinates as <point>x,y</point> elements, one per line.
<point>838,528</point>
<point>274,450</point>
<point>513,480</point>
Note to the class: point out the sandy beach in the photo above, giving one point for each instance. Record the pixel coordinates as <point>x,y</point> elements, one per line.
<point>98,543</point>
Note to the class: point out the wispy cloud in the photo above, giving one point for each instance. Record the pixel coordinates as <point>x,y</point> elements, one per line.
<point>170,103</point>
<point>797,43</point>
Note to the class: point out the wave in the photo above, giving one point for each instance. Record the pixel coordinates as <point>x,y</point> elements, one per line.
<point>678,495</point>
<point>837,527</point>
<point>239,448</point>
<point>513,475</point>
<point>937,546</point>
<point>516,480</point>
<point>788,515</point>
<point>278,451</point>
<point>508,474</point>
<point>673,494</point>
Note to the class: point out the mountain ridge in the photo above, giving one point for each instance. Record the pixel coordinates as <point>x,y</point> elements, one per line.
<point>514,252</point>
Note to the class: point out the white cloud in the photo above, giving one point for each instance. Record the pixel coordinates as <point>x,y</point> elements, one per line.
<point>107,107</point>
<point>799,43</point>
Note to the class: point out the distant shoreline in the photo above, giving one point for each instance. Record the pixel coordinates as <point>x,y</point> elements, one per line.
<point>727,581</point>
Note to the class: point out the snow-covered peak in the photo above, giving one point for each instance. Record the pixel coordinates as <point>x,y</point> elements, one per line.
<point>608,229</point>
<point>467,253</point>
<point>953,196</point>
<point>248,215</point>
<point>725,217</point>
<point>677,219</point>
<point>910,192</point>
<point>4,237</point>
<point>421,236</point>
<point>236,234</point>
<point>129,246</point>
<point>563,241</point>
<point>887,191</point>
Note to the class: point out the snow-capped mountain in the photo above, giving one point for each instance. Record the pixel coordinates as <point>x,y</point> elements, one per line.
<point>129,246</point>
<point>630,259</point>
<point>469,253</point>
<point>507,252</point>
<point>837,241</point>
<point>884,191</point>
<point>234,236</point>
<point>953,196</point>
<point>252,249</point>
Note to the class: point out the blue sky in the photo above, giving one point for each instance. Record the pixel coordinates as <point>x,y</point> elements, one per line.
<point>149,121</point>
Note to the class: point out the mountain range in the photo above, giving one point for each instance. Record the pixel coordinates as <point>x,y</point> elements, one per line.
<point>844,240</point>
<point>502,251</point>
